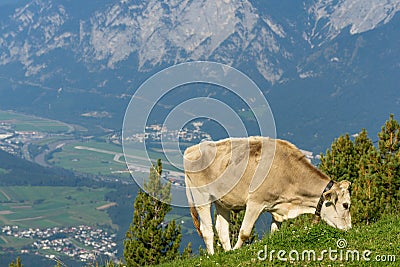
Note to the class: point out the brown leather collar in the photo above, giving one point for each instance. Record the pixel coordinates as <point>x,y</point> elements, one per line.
<point>321,199</point>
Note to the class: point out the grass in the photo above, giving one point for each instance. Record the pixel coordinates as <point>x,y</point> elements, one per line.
<point>23,122</point>
<point>86,161</point>
<point>97,162</point>
<point>3,171</point>
<point>3,198</point>
<point>47,206</point>
<point>15,242</point>
<point>378,241</point>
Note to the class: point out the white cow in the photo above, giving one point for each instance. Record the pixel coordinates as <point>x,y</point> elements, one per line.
<point>258,174</point>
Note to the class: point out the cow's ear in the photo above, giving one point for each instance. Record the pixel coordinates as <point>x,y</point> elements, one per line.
<point>330,195</point>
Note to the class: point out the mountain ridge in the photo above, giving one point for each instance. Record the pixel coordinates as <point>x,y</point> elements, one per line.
<point>161,32</point>
<point>104,51</point>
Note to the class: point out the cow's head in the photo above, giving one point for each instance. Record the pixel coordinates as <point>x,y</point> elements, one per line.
<point>335,210</point>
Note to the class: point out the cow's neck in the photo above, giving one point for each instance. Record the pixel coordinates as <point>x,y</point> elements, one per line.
<point>309,186</point>
<point>312,185</point>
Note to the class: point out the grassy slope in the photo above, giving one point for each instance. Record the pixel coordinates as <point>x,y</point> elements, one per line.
<point>381,238</point>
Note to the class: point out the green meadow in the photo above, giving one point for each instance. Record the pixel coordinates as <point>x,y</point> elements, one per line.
<point>46,206</point>
<point>21,122</point>
<point>3,171</point>
<point>305,244</point>
<point>97,157</point>
<point>85,160</point>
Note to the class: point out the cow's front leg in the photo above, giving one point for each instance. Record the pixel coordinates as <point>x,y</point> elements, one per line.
<point>206,227</point>
<point>222,226</point>
<point>253,210</point>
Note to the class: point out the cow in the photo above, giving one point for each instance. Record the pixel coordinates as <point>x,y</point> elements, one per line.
<point>258,174</point>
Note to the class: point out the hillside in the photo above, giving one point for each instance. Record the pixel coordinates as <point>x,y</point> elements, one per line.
<point>378,243</point>
<point>33,196</point>
<point>17,171</point>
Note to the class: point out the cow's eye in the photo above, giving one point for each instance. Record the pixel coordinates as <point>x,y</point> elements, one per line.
<point>346,206</point>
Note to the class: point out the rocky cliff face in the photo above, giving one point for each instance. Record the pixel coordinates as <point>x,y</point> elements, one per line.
<point>168,32</point>
<point>106,47</point>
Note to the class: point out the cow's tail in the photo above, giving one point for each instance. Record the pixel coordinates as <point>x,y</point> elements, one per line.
<point>193,211</point>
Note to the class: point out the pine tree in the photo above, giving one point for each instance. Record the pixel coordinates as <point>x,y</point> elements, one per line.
<point>339,162</point>
<point>389,138</point>
<point>389,148</point>
<point>362,145</point>
<point>365,193</point>
<point>17,263</point>
<point>150,240</point>
<point>187,252</point>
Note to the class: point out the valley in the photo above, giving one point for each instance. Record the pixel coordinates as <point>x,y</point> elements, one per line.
<point>316,62</point>
<point>57,221</point>
<point>36,208</point>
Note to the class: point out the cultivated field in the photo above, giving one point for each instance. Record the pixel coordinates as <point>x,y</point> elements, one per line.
<point>30,123</point>
<point>46,206</point>
<point>76,156</point>
<point>103,158</point>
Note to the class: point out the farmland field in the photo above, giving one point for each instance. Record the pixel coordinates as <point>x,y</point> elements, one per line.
<point>87,161</point>
<point>12,242</point>
<point>3,196</point>
<point>3,171</point>
<point>47,206</point>
<point>102,158</point>
<point>23,122</point>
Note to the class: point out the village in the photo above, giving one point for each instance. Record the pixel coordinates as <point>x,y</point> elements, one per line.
<point>157,133</point>
<point>82,242</point>
<point>16,142</point>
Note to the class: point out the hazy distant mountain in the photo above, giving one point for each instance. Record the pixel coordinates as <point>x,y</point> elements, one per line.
<point>326,66</point>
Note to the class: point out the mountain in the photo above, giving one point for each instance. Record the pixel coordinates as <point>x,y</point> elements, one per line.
<point>326,66</point>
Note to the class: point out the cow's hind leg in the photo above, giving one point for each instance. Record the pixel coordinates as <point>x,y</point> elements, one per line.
<point>253,210</point>
<point>275,225</point>
<point>222,226</point>
<point>206,226</point>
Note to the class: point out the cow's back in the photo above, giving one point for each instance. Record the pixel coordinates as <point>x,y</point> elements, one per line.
<point>228,169</point>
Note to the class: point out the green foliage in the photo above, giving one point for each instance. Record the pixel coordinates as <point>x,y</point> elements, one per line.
<point>389,148</point>
<point>338,163</point>
<point>389,138</point>
<point>113,264</point>
<point>187,252</point>
<point>17,263</point>
<point>149,239</point>
<point>374,172</point>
